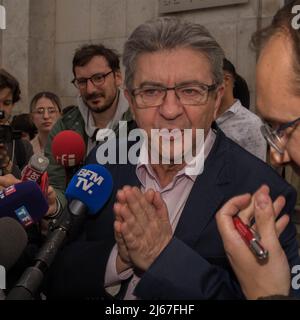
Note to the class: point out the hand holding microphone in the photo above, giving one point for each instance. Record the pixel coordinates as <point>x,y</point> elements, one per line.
<point>8,180</point>
<point>87,193</point>
<point>36,171</point>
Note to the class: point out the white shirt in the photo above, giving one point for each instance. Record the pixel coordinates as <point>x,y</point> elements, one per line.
<point>180,188</point>
<point>243,127</point>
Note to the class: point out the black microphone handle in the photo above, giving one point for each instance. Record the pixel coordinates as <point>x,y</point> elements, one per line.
<point>27,286</point>
<point>2,295</point>
<point>32,278</point>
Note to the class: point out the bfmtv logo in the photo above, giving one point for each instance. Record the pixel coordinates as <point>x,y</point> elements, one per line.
<point>2,18</point>
<point>87,179</point>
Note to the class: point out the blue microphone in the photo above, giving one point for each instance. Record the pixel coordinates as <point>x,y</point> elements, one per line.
<point>24,202</point>
<point>92,186</point>
<point>87,193</point>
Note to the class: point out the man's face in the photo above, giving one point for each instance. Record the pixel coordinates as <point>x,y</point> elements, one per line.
<point>6,104</point>
<point>171,68</point>
<point>276,99</point>
<point>98,98</point>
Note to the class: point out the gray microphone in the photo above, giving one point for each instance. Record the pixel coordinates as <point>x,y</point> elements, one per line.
<point>37,165</point>
<point>13,240</point>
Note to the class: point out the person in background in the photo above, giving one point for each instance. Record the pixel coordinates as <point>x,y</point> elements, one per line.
<point>15,153</point>
<point>45,109</point>
<point>68,108</point>
<point>278,102</point>
<point>101,105</point>
<point>238,123</point>
<point>23,123</point>
<point>241,90</point>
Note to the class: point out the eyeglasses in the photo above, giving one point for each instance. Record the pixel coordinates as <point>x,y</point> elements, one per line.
<point>41,111</point>
<point>193,94</point>
<point>276,138</point>
<point>97,79</point>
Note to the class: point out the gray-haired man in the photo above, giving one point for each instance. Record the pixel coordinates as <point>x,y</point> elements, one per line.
<point>163,241</point>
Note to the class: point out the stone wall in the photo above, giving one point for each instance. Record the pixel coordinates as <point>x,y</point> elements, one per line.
<point>42,35</point>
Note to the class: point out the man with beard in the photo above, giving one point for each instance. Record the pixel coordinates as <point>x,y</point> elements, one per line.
<point>101,104</point>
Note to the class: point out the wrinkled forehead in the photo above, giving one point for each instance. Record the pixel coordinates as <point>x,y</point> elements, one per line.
<point>175,65</point>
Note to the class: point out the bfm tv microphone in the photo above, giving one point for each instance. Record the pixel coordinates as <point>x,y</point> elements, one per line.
<point>87,192</point>
<point>24,202</point>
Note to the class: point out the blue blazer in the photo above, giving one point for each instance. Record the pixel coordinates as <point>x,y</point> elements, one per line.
<point>194,264</point>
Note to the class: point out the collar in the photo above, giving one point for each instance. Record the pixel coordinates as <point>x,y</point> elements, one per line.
<point>230,112</point>
<point>190,166</point>
<point>90,127</point>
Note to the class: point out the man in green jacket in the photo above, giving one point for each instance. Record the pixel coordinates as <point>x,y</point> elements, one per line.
<point>101,104</point>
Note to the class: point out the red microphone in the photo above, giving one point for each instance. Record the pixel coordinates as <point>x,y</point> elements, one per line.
<point>36,171</point>
<point>35,168</point>
<point>68,149</point>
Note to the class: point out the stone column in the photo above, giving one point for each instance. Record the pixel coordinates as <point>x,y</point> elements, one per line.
<point>27,46</point>
<point>15,45</point>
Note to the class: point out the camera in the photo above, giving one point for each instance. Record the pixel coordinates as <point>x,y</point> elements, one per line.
<point>7,134</point>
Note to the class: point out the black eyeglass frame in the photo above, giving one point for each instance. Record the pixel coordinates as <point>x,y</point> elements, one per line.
<point>103,76</point>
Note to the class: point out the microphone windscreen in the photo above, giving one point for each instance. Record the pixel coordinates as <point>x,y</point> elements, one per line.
<point>39,163</point>
<point>13,240</point>
<point>24,202</point>
<point>92,185</point>
<point>68,148</point>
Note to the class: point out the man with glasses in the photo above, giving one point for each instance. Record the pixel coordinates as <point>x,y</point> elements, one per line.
<point>278,102</point>
<point>162,241</point>
<point>101,104</point>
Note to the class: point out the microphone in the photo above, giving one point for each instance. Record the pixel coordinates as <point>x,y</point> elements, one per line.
<point>24,202</point>
<point>35,168</point>
<point>36,171</point>
<point>68,149</point>
<point>13,240</point>
<point>87,192</point>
